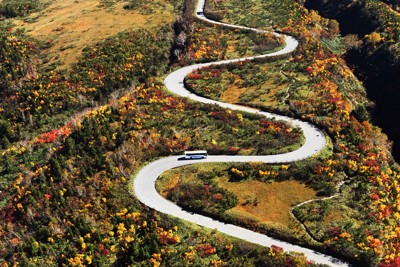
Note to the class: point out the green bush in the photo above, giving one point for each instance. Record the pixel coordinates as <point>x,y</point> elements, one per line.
<point>203,198</point>
<point>17,8</point>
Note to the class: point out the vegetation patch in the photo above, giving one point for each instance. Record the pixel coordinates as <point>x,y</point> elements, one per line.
<point>259,14</point>
<point>69,26</point>
<point>19,8</point>
<point>269,202</point>
<point>193,45</point>
<point>254,195</point>
<point>258,85</point>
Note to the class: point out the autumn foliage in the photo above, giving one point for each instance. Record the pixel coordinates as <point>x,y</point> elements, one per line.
<point>71,140</point>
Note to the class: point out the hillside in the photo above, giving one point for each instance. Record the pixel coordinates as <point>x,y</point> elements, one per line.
<point>84,108</point>
<point>375,56</point>
<point>71,25</point>
<point>75,130</point>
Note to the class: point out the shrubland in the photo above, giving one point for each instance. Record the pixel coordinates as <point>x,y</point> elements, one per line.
<point>373,53</point>
<point>72,138</point>
<point>361,223</point>
<point>16,8</point>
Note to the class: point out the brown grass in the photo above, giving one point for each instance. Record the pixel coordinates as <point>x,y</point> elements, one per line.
<point>233,93</point>
<point>275,199</point>
<point>171,183</point>
<point>74,24</point>
<point>269,90</point>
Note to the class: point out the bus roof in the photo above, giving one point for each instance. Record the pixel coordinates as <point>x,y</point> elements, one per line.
<point>196,152</point>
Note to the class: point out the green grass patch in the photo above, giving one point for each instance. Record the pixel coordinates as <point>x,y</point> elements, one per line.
<point>19,8</point>
<point>335,45</point>
<point>253,84</point>
<point>257,14</point>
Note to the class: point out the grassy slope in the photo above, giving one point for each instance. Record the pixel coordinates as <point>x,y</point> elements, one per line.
<point>72,25</point>
<point>259,85</point>
<point>275,199</point>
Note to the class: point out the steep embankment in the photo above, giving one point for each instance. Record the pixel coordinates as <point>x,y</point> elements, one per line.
<point>376,59</point>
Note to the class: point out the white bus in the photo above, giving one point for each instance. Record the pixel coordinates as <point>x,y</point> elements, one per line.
<point>196,154</point>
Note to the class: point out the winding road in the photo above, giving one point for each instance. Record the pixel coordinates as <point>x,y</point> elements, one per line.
<point>144,182</point>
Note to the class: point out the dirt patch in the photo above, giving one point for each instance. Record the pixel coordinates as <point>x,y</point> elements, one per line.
<point>70,25</point>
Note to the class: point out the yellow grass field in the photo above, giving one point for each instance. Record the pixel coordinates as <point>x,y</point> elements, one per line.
<point>73,24</point>
<point>274,199</point>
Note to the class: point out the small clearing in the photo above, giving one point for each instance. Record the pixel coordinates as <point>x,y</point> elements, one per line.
<point>274,200</point>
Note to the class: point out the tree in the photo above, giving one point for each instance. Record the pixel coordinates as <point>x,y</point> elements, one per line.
<point>374,38</point>
<point>333,27</point>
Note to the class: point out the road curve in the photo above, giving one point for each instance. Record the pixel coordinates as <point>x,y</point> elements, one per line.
<point>144,182</point>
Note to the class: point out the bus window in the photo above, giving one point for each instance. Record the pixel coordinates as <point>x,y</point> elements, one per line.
<point>196,154</point>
